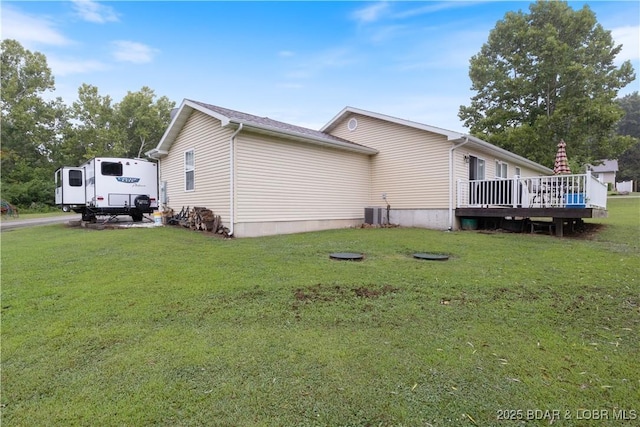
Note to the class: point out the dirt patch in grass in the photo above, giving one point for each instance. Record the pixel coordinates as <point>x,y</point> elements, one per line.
<point>587,231</point>
<point>326,297</point>
<point>328,293</point>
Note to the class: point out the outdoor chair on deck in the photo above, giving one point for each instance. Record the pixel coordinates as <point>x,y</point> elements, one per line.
<point>540,192</point>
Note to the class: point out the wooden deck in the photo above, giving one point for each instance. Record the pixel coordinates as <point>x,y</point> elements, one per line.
<point>560,216</point>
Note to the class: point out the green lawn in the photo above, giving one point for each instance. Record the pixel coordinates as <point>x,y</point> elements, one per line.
<point>170,327</point>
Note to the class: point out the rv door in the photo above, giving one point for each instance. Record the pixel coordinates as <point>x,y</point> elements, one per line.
<point>70,186</point>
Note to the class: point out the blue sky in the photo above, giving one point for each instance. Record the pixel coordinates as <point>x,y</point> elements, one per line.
<point>298,62</point>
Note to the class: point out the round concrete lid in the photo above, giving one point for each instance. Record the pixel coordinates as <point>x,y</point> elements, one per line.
<point>431,257</point>
<point>346,256</point>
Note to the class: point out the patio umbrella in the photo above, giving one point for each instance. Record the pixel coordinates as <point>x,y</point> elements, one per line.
<point>561,166</point>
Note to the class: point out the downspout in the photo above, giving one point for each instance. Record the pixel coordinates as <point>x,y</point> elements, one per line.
<point>232,173</point>
<point>451,184</point>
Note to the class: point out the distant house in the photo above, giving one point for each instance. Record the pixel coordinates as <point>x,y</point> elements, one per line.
<point>605,171</point>
<point>268,177</point>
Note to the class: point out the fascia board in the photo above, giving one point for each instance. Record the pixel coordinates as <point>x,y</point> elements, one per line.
<point>180,118</point>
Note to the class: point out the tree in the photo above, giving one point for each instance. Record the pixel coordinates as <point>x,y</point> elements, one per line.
<point>629,161</point>
<point>29,125</point>
<point>142,120</point>
<point>96,131</point>
<point>38,136</point>
<point>630,123</point>
<point>545,76</point>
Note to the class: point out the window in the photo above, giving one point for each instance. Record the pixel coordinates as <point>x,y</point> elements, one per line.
<point>189,171</point>
<point>501,169</point>
<point>111,169</point>
<point>75,178</point>
<point>518,171</point>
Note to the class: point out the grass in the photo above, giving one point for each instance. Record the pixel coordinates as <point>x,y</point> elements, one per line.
<point>171,327</point>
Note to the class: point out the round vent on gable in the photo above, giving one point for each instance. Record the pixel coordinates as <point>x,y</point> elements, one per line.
<point>352,124</point>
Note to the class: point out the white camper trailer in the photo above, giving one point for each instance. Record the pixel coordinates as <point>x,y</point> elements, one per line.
<point>108,186</point>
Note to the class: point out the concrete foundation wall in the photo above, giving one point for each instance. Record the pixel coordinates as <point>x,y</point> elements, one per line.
<point>257,229</point>
<point>437,219</point>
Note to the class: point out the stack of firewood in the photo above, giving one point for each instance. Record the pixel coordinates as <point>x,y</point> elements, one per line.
<point>199,219</point>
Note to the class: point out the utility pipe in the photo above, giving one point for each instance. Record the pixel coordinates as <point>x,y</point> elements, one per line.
<point>451,184</point>
<point>232,173</point>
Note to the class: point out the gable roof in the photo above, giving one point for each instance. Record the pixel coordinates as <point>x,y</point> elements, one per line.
<point>264,125</point>
<point>453,137</point>
<point>605,166</point>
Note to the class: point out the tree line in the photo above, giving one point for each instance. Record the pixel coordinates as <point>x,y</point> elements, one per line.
<point>40,135</point>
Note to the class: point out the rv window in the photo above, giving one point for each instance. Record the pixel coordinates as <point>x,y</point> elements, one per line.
<point>111,169</point>
<point>75,178</point>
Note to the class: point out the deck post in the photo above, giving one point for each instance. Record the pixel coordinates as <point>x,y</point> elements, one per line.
<point>559,222</point>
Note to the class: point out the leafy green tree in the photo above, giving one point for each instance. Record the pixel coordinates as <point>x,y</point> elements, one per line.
<point>629,161</point>
<point>548,75</point>
<point>630,123</point>
<point>143,120</point>
<point>29,125</point>
<point>38,135</point>
<point>96,131</point>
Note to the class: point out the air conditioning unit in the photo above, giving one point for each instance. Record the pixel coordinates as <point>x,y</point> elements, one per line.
<point>375,215</point>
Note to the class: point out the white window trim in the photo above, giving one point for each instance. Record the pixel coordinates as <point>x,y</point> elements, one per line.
<point>190,168</point>
<point>499,165</point>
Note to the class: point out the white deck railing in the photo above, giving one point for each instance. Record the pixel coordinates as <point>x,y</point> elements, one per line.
<point>558,191</point>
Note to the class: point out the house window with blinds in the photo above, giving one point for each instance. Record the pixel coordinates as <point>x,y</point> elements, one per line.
<point>189,171</point>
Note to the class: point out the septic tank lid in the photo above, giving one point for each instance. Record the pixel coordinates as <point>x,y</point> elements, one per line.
<point>346,256</point>
<point>431,257</point>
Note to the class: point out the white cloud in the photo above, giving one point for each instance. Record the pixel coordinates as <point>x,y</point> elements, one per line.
<point>92,11</point>
<point>629,38</point>
<point>30,30</point>
<point>435,7</point>
<point>370,13</point>
<point>65,67</point>
<point>137,53</point>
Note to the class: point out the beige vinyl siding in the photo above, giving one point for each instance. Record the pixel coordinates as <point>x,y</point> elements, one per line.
<point>279,180</point>
<point>411,166</point>
<point>461,168</point>
<point>210,143</point>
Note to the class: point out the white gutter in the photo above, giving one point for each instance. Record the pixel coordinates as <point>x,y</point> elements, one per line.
<point>451,184</point>
<point>232,173</point>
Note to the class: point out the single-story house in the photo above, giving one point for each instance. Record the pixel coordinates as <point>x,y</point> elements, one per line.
<point>605,171</point>
<point>268,177</point>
